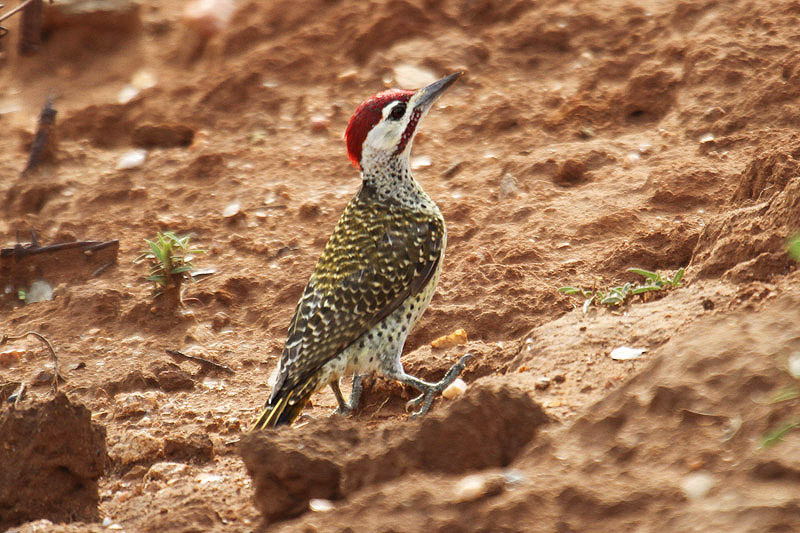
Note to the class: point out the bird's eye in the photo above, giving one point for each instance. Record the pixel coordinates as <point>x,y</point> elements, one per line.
<point>398,111</point>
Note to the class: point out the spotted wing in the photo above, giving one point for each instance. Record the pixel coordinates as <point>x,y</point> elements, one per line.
<point>377,256</point>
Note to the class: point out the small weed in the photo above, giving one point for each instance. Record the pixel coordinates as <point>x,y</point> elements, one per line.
<point>617,296</point>
<point>170,258</point>
<point>793,247</point>
<point>786,394</point>
<point>776,435</point>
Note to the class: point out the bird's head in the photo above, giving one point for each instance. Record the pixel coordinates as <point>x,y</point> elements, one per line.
<point>384,125</point>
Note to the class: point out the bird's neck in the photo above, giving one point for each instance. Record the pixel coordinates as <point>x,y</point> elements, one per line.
<point>391,182</point>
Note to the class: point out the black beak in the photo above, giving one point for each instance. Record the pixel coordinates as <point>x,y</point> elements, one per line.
<point>425,97</point>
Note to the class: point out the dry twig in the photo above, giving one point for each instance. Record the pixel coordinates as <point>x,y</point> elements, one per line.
<point>56,375</point>
<point>202,361</point>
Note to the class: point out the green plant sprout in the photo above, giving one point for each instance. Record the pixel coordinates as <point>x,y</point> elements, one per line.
<point>775,436</point>
<point>620,295</point>
<point>793,247</point>
<point>170,257</point>
<point>786,394</point>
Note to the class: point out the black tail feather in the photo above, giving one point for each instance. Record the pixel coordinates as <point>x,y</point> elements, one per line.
<point>285,409</point>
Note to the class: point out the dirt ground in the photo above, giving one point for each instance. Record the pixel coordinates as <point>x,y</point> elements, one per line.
<point>585,138</point>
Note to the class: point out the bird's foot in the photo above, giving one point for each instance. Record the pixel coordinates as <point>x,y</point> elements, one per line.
<point>347,408</point>
<point>431,390</point>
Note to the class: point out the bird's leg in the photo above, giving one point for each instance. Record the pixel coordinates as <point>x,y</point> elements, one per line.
<point>430,390</point>
<point>346,408</point>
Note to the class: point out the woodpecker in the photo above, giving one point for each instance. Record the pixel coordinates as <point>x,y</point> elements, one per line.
<point>377,272</point>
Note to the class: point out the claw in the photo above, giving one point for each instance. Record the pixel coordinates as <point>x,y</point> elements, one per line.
<point>413,404</point>
<point>430,390</point>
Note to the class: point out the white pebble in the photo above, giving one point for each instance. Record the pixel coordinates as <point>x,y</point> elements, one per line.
<point>127,93</point>
<point>131,159</point>
<point>794,365</point>
<point>474,486</point>
<point>232,209</point>
<point>697,485</point>
<point>320,505</point>
<point>40,291</point>
<point>624,353</point>
<point>455,389</point>
<point>707,138</point>
<point>508,187</point>
<point>420,161</point>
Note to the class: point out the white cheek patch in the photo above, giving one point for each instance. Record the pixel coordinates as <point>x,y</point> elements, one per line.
<point>384,136</point>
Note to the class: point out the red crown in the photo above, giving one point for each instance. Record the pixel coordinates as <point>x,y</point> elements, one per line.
<point>364,119</point>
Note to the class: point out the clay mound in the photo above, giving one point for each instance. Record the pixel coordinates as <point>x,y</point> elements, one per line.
<point>749,243</point>
<point>769,172</point>
<point>681,441</point>
<point>52,456</point>
<point>335,457</point>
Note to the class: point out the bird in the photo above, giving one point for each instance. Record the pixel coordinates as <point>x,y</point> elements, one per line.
<point>377,272</point>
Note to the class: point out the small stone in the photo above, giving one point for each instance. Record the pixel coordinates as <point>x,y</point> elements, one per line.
<point>625,353</point>
<point>707,138</point>
<point>320,505</point>
<point>708,304</point>
<point>455,389</point>
<point>794,365</point>
<point>131,159</point>
<point>542,383</point>
<point>476,486</point>
<point>232,209</point>
<point>559,378</point>
<point>420,161</point>
<point>697,485</point>
<point>127,93</point>
<point>508,187</point>
<point>40,291</point>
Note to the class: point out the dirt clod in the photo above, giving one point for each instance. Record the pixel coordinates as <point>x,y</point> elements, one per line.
<point>333,458</point>
<point>52,456</point>
<point>194,448</point>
